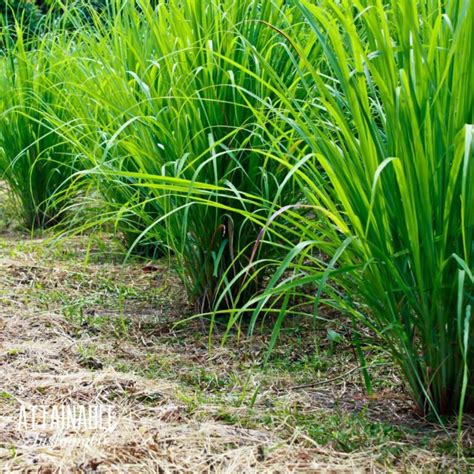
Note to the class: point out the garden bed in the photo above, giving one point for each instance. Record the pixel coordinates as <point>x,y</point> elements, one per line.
<point>105,333</point>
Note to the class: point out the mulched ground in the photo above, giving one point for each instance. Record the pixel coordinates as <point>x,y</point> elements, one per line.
<point>61,345</point>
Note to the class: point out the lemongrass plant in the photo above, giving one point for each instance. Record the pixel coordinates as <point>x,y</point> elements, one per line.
<point>388,169</point>
<point>166,97</point>
<point>35,160</point>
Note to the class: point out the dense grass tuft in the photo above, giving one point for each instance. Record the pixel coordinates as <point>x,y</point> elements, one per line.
<point>388,168</point>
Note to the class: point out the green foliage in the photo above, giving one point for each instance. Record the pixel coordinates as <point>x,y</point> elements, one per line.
<point>285,154</point>
<point>35,161</point>
<point>181,104</point>
<point>388,167</point>
<point>37,17</point>
<point>24,12</point>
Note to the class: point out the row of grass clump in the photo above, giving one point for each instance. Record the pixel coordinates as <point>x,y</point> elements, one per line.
<point>288,155</point>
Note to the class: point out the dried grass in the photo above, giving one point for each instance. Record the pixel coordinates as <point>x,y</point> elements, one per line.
<point>154,431</point>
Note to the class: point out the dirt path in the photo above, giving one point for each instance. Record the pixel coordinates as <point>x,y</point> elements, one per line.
<point>137,394</point>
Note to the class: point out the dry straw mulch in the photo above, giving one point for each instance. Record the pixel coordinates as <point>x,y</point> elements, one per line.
<point>150,430</point>
<point>40,367</point>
